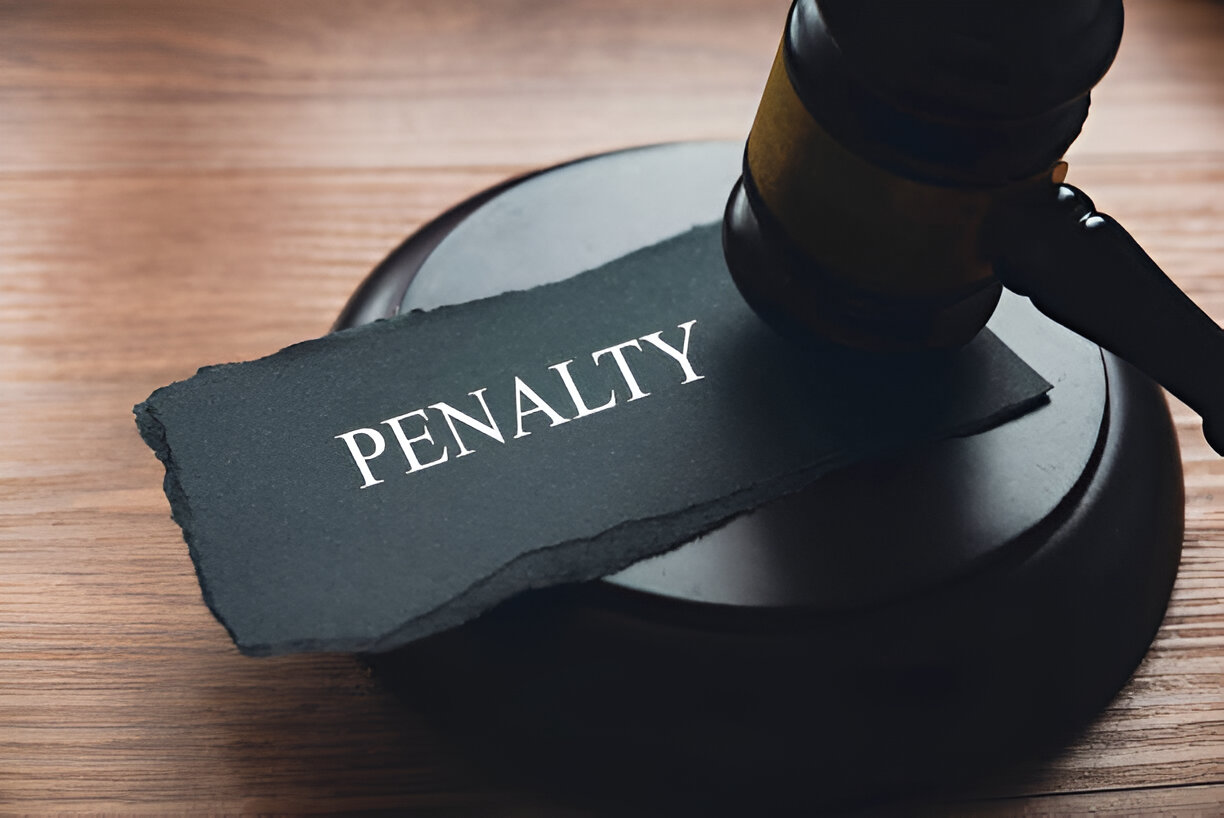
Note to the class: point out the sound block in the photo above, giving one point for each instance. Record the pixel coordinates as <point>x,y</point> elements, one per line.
<point>897,624</point>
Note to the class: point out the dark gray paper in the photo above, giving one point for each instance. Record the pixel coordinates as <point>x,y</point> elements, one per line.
<point>371,487</point>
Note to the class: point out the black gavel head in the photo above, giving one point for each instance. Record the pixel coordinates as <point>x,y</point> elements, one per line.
<point>888,132</point>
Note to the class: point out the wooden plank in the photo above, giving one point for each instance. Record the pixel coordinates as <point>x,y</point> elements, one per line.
<point>440,82</point>
<point>1163,93</point>
<point>445,82</point>
<point>183,184</point>
<point>138,694</point>
<point>1177,802</point>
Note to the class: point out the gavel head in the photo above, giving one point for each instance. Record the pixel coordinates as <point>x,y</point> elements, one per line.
<point>888,132</point>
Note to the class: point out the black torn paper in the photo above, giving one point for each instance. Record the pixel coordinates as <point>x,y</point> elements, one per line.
<point>294,554</point>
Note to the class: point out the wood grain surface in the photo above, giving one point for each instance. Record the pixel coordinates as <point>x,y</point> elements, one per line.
<point>189,183</point>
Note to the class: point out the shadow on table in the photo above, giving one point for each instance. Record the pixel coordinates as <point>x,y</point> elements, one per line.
<point>689,740</point>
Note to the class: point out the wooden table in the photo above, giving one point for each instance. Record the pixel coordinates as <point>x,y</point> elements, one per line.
<point>183,184</point>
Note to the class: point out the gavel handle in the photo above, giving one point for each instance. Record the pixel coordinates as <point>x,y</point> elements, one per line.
<point>1085,271</point>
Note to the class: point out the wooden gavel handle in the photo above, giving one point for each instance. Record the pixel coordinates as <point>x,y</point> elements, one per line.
<point>1085,271</point>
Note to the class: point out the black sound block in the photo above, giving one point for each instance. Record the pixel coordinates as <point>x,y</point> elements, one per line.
<point>897,624</point>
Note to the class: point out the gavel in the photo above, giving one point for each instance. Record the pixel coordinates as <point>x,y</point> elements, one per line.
<point>905,163</point>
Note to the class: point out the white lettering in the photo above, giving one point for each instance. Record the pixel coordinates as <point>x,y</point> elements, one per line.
<point>527,402</point>
<point>406,443</point>
<point>679,356</point>
<point>363,460</point>
<point>579,404</point>
<point>635,391</point>
<point>521,389</point>
<point>451,414</point>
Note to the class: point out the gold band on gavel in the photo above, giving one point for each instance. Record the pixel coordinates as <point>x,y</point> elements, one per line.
<point>862,224</point>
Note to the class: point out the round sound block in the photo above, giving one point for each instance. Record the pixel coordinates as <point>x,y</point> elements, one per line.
<point>896,624</point>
